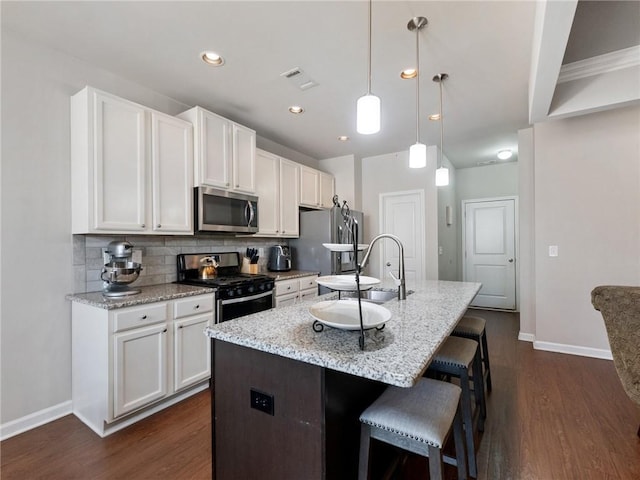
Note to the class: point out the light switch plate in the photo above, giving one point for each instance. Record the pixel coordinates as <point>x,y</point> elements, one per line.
<point>553,250</point>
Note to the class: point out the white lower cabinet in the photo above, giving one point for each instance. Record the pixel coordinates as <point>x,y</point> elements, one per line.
<point>289,292</point>
<point>130,362</point>
<point>192,354</point>
<point>140,368</point>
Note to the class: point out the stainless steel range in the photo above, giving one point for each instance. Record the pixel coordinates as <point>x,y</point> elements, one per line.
<point>238,294</point>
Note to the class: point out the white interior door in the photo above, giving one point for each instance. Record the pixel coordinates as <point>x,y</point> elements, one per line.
<point>489,251</point>
<point>402,214</point>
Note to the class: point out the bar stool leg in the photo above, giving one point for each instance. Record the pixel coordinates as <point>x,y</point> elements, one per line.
<point>485,359</point>
<point>363,461</point>
<point>467,419</point>
<point>478,390</point>
<point>458,439</point>
<point>436,466</point>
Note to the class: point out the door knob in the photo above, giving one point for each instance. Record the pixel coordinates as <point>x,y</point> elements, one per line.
<point>511,260</point>
<point>388,264</point>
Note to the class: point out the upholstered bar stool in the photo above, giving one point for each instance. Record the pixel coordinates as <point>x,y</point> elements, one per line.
<point>470,326</point>
<point>457,357</point>
<point>419,419</point>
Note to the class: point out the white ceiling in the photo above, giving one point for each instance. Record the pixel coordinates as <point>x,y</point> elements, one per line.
<point>485,47</point>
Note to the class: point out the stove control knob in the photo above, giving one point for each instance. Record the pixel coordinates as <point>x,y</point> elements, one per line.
<point>230,293</point>
<point>261,286</point>
<point>251,289</point>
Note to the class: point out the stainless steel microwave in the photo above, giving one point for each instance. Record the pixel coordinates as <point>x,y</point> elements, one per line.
<point>219,211</point>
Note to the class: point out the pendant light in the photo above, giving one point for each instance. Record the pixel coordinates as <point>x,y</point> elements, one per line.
<point>417,151</point>
<point>368,106</point>
<point>442,172</point>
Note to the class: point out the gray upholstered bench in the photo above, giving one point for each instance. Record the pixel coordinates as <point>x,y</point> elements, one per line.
<point>458,357</point>
<point>419,419</point>
<point>473,327</point>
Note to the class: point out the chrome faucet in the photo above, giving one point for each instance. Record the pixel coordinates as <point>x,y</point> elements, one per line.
<point>402,289</point>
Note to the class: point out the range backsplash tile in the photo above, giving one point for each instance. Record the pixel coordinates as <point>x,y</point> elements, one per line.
<point>158,255</point>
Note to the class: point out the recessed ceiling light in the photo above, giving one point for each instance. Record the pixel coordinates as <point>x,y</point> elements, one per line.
<point>343,138</point>
<point>505,154</point>
<point>296,109</point>
<point>212,58</point>
<point>409,73</point>
<point>434,116</point>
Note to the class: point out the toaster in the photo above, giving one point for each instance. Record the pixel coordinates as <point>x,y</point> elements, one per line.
<point>279,258</point>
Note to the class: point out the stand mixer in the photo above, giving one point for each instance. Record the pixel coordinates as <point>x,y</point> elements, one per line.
<point>120,270</point>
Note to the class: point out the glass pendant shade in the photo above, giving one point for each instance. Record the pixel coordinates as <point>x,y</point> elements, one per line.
<point>418,155</point>
<point>442,177</point>
<point>368,114</point>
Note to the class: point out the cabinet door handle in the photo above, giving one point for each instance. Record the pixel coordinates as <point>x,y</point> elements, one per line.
<point>237,185</point>
<point>143,225</point>
<point>226,184</point>
<point>144,317</point>
<point>158,226</point>
<point>289,288</point>
<point>178,327</point>
<point>195,308</point>
<point>164,331</point>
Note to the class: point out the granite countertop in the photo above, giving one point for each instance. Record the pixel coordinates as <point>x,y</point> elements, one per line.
<point>154,293</point>
<point>396,355</point>
<point>277,276</point>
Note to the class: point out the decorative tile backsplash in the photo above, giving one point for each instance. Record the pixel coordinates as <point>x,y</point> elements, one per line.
<point>158,255</point>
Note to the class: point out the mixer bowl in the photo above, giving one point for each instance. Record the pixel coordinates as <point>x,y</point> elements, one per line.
<point>120,272</point>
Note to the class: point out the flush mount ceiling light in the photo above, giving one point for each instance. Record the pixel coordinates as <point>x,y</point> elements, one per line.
<point>343,138</point>
<point>212,58</point>
<point>368,106</point>
<point>442,172</point>
<point>505,154</point>
<point>295,109</point>
<point>417,151</point>
<point>408,73</point>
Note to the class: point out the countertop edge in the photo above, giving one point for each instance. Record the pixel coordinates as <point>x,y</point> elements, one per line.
<point>150,294</point>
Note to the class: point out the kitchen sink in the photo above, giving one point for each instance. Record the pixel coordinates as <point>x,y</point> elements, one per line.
<point>374,296</point>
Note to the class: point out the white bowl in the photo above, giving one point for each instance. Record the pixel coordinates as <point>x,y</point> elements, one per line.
<point>344,314</point>
<point>347,282</point>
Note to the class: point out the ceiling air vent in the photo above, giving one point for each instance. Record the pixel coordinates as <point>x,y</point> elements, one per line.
<point>487,162</point>
<point>299,78</point>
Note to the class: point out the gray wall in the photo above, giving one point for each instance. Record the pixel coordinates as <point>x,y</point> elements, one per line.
<point>36,243</point>
<point>587,202</point>
<point>448,234</point>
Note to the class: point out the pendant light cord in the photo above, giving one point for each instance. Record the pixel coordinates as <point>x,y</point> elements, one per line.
<point>417,85</point>
<point>369,65</point>
<point>441,122</point>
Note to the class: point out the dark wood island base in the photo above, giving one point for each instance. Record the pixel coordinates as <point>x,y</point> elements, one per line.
<point>301,422</point>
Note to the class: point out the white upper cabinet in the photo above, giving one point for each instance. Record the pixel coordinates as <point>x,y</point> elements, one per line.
<point>277,192</point>
<point>316,188</point>
<point>172,174</point>
<point>327,189</point>
<point>132,168</point>
<point>225,151</point>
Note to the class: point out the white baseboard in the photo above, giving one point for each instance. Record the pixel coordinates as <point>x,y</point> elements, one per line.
<point>33,420</point>
<point>526,337</point>
<point>573,350</point>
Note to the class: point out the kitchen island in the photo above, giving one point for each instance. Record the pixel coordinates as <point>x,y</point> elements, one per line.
<point>286,399</point>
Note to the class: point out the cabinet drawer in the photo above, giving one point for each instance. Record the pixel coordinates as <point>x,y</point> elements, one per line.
<point>193,305</point>
<point>139,316</point>
<point>287,286</point>
<point>286,300</point>
<point>307,283</point>
<point>309,293</point>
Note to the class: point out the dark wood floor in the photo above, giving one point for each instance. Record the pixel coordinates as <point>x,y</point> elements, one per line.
<point>550,416</point>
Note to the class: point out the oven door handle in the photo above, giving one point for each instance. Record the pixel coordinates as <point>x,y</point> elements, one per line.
<point>246,299</point>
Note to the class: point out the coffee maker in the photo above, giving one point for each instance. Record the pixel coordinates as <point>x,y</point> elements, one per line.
<point>279,259</point>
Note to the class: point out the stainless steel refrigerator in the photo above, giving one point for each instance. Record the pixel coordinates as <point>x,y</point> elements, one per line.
<point>325,226</point>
